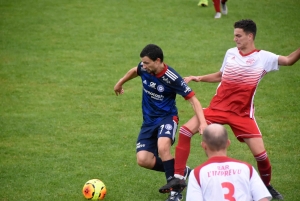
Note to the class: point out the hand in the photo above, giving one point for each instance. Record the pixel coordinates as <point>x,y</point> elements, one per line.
<point>188,79</point>
<point>118,89</point>
<point>202,127</point>
<point>192,78</point>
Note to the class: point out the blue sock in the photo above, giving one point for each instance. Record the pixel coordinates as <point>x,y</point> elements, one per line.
<point>169,169</point>
<point>158,165</point>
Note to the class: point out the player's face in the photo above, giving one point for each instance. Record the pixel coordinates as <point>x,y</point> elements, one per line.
<point>149,65</point>
<point>241,38</point>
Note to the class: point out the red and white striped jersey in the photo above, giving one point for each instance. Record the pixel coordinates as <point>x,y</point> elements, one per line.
<point>222,178</point>
<point>240,77</point>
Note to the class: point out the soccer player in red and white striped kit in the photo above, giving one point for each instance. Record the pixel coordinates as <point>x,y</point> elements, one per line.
<point>233,104</point>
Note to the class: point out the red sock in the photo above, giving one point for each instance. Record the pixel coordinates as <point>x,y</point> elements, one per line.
<point>217,6</point>
<point>264,167</point>
<point>182,150</point>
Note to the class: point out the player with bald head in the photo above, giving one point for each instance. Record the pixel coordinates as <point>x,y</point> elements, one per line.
<point>223,178</point>
<point>215,140</point>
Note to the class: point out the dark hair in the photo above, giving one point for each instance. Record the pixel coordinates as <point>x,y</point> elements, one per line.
<point>153,52</point>
<point>247,25</point>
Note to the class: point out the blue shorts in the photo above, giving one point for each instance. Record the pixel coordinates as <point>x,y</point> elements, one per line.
<point>148,136</point>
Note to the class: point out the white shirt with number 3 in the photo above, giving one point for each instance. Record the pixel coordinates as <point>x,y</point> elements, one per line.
<point>225,179</point>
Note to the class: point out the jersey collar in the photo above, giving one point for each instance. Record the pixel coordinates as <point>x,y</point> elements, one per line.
<point>255,50</point>
<point>162,72</point>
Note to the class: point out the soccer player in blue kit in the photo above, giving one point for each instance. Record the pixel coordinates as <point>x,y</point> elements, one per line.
<point>160,84</point>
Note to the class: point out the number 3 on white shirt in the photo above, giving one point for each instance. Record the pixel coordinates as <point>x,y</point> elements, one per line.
<point>229,196</point>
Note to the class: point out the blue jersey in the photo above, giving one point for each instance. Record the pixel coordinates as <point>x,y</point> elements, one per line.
<point>159,93</point>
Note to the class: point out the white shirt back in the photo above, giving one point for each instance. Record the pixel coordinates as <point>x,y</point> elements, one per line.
<point>225,179</point>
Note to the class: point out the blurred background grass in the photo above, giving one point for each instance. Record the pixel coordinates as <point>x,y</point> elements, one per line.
<point>61,123</point>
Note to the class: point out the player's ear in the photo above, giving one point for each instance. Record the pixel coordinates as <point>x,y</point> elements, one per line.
<point>228,143</point>
<point>158,60</point>
<point>251,36</point>
<point>203,145</point>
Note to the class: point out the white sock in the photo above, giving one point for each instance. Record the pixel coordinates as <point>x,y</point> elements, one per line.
<point>173,193</point>
<point>178,176</point>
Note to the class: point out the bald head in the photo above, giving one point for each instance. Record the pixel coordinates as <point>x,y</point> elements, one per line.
<point>215,136</point>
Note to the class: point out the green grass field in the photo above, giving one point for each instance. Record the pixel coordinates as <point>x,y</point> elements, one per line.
<point>61,123</point>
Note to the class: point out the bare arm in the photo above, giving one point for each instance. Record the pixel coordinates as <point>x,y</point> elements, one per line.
<point>132,73</point>
<point>214,77</point>
<point>290,59</point>
<point>199,113</point>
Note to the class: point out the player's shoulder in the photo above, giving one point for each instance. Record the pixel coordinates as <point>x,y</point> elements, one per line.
<point>239,161</point>
<point>233,50</point>
<point>140,64</point>
<point>265,52</point>
<point>171,74</point>
<point>140,69</point>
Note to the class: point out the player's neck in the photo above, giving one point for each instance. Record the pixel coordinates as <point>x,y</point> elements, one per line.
<point>217,153</point>
<point>160,68</point>
<point>247,50</point>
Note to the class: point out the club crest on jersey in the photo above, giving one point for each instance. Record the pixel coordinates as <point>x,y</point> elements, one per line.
<point>160,88</point>
<point>168,127</point>
<point>250,61</point>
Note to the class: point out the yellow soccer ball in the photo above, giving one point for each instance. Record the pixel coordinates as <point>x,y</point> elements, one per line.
<point>94,189</point>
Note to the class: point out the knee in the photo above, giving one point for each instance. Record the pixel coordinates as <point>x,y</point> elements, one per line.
<point>143,161</point>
